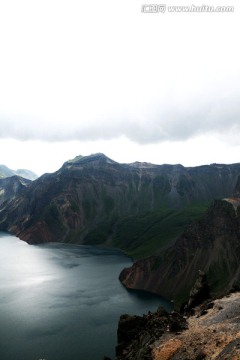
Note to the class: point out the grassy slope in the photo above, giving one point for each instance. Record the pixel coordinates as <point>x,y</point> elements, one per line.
<point>146,234</point>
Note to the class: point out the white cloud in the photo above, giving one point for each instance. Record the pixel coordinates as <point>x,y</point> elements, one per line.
<point>98,72</point>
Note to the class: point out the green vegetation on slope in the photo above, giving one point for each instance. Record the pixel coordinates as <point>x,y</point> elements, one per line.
<point>146,234</point>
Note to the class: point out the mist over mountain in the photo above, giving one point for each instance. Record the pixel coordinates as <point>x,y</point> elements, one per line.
<point>27,174</point>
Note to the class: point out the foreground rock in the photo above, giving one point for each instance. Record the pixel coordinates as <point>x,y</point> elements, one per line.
<point>136,334</point>
<point>212,333</point>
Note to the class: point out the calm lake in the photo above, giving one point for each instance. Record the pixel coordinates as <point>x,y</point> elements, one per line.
<point>63,302</point>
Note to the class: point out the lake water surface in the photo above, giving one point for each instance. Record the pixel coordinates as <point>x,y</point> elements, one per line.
<point>63,302</point>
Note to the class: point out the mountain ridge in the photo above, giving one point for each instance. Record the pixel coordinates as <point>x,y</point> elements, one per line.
<point>94,189</point>
<point>143,210</point>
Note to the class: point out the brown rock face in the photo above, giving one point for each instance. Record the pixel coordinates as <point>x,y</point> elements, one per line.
<point>39,231</point>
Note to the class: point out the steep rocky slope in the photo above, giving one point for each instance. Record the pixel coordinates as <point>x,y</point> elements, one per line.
<point>211,244</point>
<point>12,187</point>
<point>96,200</point>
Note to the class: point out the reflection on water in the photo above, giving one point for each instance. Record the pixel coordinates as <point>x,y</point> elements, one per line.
<point>60,302</point>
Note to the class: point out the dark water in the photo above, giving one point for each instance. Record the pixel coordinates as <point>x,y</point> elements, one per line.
<point>62,302</point>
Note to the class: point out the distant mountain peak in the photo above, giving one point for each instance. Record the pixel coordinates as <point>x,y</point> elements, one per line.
<point>81,160</point>
<point>27,174</point>
<point>138,164</point>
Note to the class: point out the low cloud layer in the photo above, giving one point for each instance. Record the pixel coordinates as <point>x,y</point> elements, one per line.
<point>177,123</point>
<point>89,74</point>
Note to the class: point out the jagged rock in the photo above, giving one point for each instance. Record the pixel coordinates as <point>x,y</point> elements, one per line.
<point>136,334</point>
<point>128,328</point>
<point>200,291</point>
<point>161,311</point>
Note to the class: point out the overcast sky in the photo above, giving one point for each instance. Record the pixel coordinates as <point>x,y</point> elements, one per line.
<point>79,77</point>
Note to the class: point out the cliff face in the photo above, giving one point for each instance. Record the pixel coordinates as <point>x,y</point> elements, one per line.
<point>12,187</point>
<point>211,244</point>
<point>94,200</point>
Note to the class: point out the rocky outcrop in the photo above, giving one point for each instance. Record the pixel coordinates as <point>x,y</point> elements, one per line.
<point>200,291</point>
<point>211,244</point>
<point>95,200</point>
<point>137,334</point>
<point>210,332</point>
